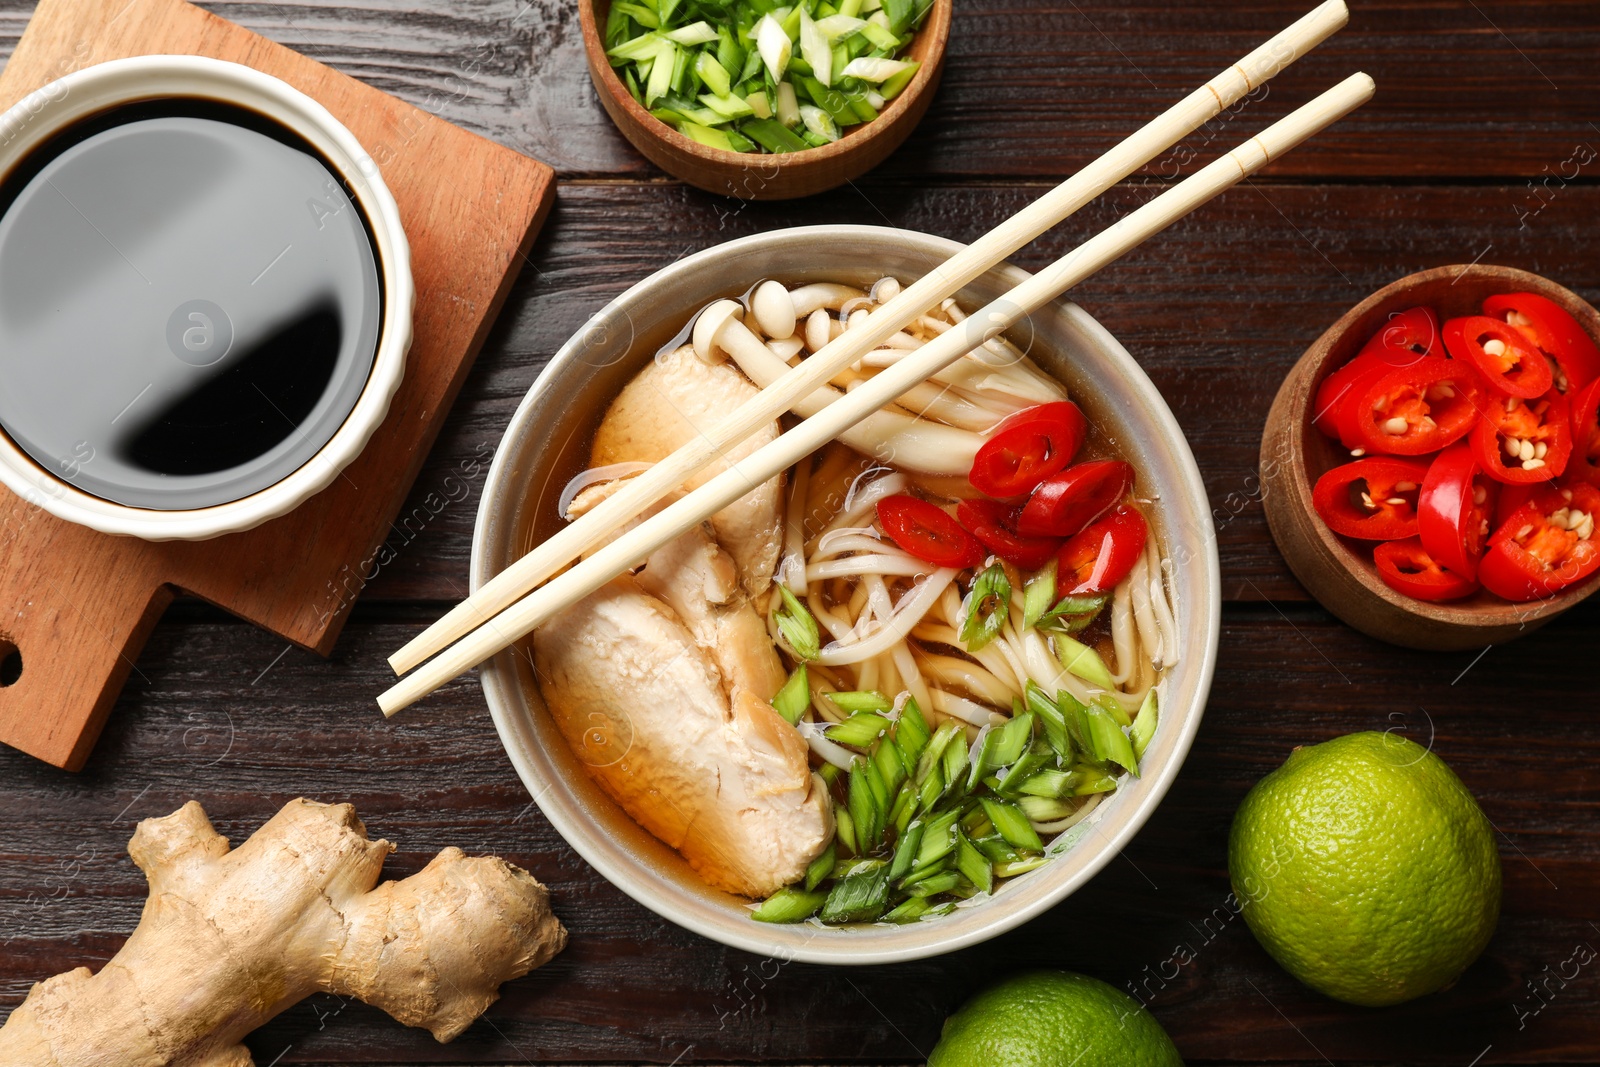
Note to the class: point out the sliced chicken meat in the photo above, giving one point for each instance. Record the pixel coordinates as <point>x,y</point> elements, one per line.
<point>691,753</point>
<point>676,398</point>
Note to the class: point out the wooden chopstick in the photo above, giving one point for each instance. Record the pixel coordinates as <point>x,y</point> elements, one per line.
<point>629,549</point>
<point>637,496</point>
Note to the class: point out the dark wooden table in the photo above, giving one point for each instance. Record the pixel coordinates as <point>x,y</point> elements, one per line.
<point>1482,146</point>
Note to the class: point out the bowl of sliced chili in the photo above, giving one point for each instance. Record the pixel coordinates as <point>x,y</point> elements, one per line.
<point>1431,465</point>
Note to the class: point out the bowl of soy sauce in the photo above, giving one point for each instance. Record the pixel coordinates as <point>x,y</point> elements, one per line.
<point>205,297</point>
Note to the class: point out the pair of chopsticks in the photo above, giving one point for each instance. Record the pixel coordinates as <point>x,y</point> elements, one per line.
<point>535,588</point>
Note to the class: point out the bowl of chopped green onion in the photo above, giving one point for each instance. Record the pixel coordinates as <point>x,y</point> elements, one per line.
<point>762,101</point>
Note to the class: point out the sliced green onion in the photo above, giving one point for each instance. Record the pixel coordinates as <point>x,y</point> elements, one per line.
<point>974,865</point>
<point>761,108</point>
<point>814,48</point>
<point>771,135</point>
<point>1012,739</point>
<point>644,16</point>
<point>692,34</point>
<point>795,696</point>
<point>835,26</point>
<point>1045,809</point>
<point>986,609</point>
<point>858,700</point>
<point>911,734</point>
<point>939,883</point>
<point>873,70</point>
<point>820,868</point>
<point>1038,593</point>
<point>910,910</point>
<point>1098,783</point>
<point>1053,719</point>
<point>864,806</point>
<point>891,768</point>
<point>1011,824</point>
<point>880,36</point>
<point>1114,708</point>
<point>1078,658</point>
<point>934,753</point>
<point>844,829</point>
<point>799,627</point>
<point>642,47</point>
<point>900,13</point>
<point>712,73</point>
<point>896,85</point>
<point>788,107</point>
<point>1144,725</point>
<point>858,731</point>
<point>860,896</point>
<point>905,850</point>
<point>661,71</point>
<point>1050,783</point>
<point>938,837</point>
<point>789,905</point>
<point>772,41</point>
<point>1011,870</point>
<point>819,122</point>
<point>1108,740</point>
<point>709,136</point>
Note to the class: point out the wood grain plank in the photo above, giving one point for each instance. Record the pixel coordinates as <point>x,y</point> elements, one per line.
<point>205,722</point>
<point>1032,87</point>
<point>1216,310</point>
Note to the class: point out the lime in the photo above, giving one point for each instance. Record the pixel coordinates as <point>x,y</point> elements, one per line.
<point>1366,869</point>
<point>1053,1019</point>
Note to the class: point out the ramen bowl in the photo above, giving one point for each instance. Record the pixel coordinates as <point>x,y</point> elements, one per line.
<point>547,443</point>
<point>138,264</point>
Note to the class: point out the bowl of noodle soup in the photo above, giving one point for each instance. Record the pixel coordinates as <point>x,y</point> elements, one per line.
<point>1158,631</point>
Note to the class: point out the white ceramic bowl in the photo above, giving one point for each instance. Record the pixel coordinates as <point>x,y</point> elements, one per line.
<point>47,111</point>
<point>548,440</point>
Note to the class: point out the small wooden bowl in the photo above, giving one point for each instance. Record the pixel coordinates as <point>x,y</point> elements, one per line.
<point>768,176</point>
<point>1340,572</point>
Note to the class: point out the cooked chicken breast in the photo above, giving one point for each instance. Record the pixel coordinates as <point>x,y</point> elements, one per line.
<point>709,768</point>
<point>700,583</point>
<point>674,399</point>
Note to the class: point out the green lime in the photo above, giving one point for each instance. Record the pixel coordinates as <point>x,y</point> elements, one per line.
<point>1053,1019</point>
<point>1366,869</point>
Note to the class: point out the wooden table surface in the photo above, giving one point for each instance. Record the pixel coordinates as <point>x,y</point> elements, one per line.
<point>1481,146</point>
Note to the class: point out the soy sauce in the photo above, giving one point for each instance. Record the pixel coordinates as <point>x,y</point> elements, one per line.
<point>189,304</point>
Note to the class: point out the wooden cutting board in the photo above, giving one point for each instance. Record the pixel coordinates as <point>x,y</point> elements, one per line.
<point>76,606</point>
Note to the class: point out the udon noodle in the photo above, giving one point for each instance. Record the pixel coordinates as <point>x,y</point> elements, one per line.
<point>953,728</point>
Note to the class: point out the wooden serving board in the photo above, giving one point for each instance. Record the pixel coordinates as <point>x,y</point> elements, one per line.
<point>76,606</point>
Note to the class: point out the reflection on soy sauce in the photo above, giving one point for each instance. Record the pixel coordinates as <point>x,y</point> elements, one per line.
<point>256,402</point>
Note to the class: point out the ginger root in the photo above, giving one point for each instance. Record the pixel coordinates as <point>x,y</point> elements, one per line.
<point>229,939</point>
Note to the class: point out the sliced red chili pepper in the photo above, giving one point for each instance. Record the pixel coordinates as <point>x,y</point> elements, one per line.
<point>1545,546</point>
<point>1028,447</point>
<point>1372,499</point>
<point>1584,461</point>
<point>1505,358</point>
<point>1071,500</point>
<point>1418,409</point>
<point>1553,330</point>
<point>1407,337</point>
<point>1406,567</point>
<point>1455,511</point>
<point>1512,497</point>
<point>1099,556</point>
<point>928,532</point>
<point>1540,432</point>
<point>995,524</point>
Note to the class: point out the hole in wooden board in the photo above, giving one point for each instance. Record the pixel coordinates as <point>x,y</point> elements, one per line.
<point>10,664</point>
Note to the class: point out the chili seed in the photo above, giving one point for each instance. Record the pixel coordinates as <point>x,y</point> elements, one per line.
<point>1395,426</point>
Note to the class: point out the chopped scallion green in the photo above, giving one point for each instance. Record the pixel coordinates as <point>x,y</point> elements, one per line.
<point>798,626</point>
<point>986,609</point>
